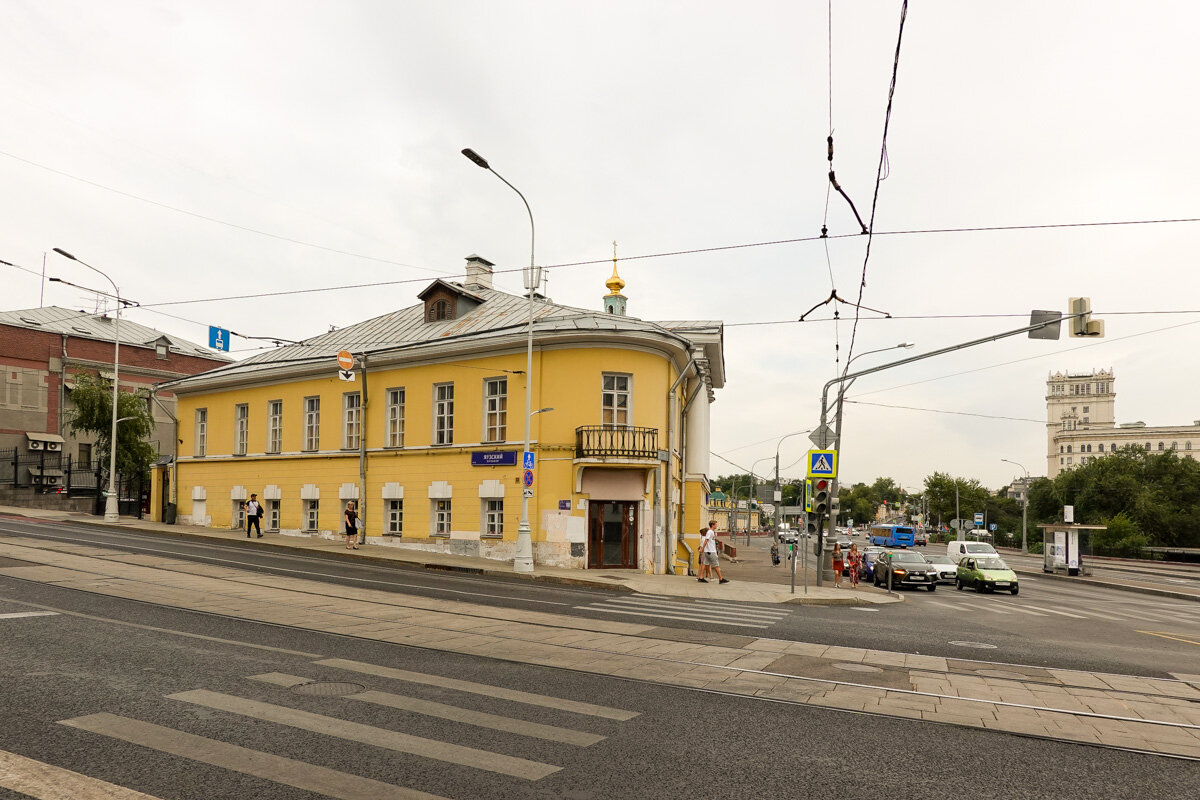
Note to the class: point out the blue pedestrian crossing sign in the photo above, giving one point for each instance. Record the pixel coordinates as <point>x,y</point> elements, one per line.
<point>822,463</point>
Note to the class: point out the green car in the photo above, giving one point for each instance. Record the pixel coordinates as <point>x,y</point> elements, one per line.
<point>985,573</point>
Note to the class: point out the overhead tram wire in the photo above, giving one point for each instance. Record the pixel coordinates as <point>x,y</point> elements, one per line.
<point>944,411</point>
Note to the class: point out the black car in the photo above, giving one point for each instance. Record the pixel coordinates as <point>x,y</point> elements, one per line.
<point>905,568</point>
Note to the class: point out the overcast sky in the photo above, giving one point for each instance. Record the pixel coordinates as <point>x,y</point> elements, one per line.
<point>280,133</point>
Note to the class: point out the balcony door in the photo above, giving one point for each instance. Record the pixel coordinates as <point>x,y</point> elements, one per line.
<point>612,534</point>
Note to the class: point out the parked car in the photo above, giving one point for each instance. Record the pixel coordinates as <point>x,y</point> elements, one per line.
<point>957,550</point>
<point>866,569</point>
<point>985,574</point>
<point>946,567</point>
<point>905,568</point>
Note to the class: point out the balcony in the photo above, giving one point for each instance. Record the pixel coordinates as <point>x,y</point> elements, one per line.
<point>603,441</point>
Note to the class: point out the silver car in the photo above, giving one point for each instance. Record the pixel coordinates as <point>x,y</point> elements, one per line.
<point>945,566</point>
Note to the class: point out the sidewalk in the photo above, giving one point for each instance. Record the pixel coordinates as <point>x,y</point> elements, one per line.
<point>753,580</point>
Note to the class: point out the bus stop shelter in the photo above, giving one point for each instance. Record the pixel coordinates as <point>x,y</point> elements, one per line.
<point>1066,547</point>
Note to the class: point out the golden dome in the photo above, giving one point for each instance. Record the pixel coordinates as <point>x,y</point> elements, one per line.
<point>614,284</point>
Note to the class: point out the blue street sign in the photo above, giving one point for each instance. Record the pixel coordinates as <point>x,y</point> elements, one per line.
<point>494,458</point>
<point>527,459</point>
<point>822,464</point>
<point>218,338</point>
<point>528,479</point>
<point>991,526</point>
<point>978,517</point>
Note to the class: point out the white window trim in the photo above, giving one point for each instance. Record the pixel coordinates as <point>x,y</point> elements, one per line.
<point>394,422</point>
<point>351,420</point>
<point>274,427</point>
<point>311,525</point>
<point>315,440</point>
<point>485,518</point>
<point>438,415</point>
<point>487,436</point>
<point>387,516</point>
<point>200,444</point>
<point>434,518</point>
<point>628,423</point>
<point>241,428</point>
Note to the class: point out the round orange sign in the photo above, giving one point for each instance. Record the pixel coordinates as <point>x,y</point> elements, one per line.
<point>345,360</point>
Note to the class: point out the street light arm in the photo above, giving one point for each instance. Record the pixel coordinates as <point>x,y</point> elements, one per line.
<point>482,162</point>
<point>64,253</point>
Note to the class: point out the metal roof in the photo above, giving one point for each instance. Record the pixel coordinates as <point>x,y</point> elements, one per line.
<point>100,327</point>
<point>498,314</point>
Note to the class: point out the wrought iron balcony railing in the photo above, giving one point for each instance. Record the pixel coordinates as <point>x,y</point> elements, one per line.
<point>599,441</point>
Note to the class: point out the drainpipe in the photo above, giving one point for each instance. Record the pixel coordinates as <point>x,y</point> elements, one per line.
<point>174,498</point>
<point>683,434</point>
<point>362,454</point>
<point>672,533</point>
<point>62,389</point>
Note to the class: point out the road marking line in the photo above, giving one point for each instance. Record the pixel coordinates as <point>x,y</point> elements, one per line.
<point>369,734</point>
<point>484,689</point>
<point>1061,613</point>
<point>48,782</point>
<point>952,606</point>
<point>993,610</point>
<point>537,730</point>
<point>733,605</point>
<point>1022,609</point>
<point>672,616</point>
<point>699,607</point>
<point>289,772</point>
<point>1168,636</point>
<point>19,614</point>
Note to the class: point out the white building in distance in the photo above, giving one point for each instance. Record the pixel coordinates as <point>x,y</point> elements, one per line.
<point>1081,423</point>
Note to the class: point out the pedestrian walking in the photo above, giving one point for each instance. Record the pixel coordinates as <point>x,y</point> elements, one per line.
<point>775,554</point>
<point>711,560</point>
<point>254,513</point>
<point>839,563</point>
<point>855,559</point>
<point>351,526</point>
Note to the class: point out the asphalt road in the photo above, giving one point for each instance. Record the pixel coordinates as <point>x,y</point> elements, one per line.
<point>1050,624</point>
<point>184,718</point>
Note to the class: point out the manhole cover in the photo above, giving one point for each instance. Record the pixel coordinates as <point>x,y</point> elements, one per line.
<point>328,688</point>
<point>857,668</point>
<point>999,673</point>
<point>976,645</point>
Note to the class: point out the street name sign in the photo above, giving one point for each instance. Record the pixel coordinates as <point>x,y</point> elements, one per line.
<point>822,463</point>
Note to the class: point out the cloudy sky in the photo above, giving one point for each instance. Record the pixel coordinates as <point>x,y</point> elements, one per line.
<point>224,150</point>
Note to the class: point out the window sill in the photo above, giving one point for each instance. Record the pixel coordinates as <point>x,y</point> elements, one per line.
<point>491,536</point>
<point>439,536</point>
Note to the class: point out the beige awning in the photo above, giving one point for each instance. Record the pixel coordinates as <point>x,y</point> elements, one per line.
<point>43,437</point>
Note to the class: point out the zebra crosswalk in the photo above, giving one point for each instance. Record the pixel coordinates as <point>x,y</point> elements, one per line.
<point>579,724</point>
<point>1054,603</point>
<point>711,612</point>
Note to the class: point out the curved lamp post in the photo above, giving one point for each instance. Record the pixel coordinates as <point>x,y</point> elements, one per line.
<point>1024,506</point>
<point>523,560</point>
<point>110,503</point>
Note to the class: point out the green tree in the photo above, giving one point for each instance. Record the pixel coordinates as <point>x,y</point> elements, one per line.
<point>940,491</point>
<point>91,413</point>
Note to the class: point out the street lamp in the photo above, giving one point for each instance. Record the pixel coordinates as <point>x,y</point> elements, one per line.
<point>110,504</point>
<point>523,560</point>
<point>1024,506</point>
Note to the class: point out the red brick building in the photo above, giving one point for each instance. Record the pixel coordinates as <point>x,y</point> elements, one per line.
<point>42,349</point>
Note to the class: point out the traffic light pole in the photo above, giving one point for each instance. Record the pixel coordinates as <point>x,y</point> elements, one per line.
<point>846,379</point>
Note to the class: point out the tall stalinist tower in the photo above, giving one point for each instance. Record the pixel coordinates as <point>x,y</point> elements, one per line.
<point>1077,401</point>
<point>614,301</point>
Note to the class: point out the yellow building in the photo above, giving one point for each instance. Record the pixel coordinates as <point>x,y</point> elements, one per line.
<point>427,438</point>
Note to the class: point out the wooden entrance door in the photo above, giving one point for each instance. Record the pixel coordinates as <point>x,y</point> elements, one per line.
<point>612,534</point>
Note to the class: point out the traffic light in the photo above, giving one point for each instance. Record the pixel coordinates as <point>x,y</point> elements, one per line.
<point>808,492</point>
<point>1084,325</point>
<point>820,497</point>
<point>812,529</point>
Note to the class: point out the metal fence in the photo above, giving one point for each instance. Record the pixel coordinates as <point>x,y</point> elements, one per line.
<point>52,472</point>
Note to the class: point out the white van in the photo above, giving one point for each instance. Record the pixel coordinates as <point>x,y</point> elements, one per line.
<point>956,550</point>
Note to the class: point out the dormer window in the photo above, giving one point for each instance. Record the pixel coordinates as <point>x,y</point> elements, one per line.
<point>439,310</point>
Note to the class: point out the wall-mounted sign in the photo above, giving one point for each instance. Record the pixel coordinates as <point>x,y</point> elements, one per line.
<point>494,458</point>
<point>564,505</point>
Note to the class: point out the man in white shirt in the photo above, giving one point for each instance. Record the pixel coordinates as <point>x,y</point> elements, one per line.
<point>709,559</point>
<point>254,512</point>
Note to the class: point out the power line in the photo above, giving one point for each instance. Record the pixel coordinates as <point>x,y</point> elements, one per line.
<point>946,316</point>
<point>943,411</point>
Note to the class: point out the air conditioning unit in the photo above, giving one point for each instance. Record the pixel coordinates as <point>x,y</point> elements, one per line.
<point>35,444</point>
<point>51,480</point>
<point>36,479</point>
<point>53,447</point>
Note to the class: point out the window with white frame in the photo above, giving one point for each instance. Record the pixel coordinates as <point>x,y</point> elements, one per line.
<point>351,420</point>
<point>495,409</point>
<point>275,426</point>
<point>241,424</point>
<point>311,514</point>
<point>394,518</point>
<point>395,418</point>
<point>615,400</point>
<point>441,517</point>
<point>272,509</point>
<point>200,445</point>
<point>312,423</point>
<point>443,413</point>
<point>493,517</point>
